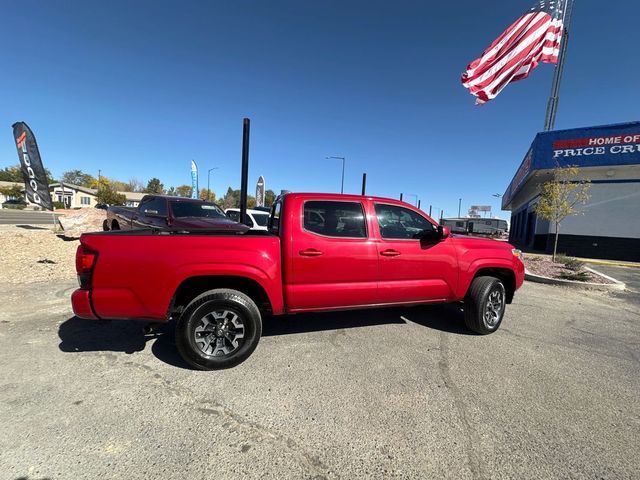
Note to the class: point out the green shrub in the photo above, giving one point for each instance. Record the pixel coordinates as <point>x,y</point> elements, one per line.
<point>58,205</point>
<point>15,207</point>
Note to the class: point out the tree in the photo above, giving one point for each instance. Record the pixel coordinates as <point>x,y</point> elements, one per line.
<point>78,177</point>
<point>134,185</point>
<point>14,174</point>
<point>120,186</point>
<point>184,191</point>
<point>14,191</point>
<point>154,186</point>
<point>108,194</point>
<point>231,199</point>
<point>172,191</point>
<point>561,196</point>
<point>269,198</point>
<point>208,195</point>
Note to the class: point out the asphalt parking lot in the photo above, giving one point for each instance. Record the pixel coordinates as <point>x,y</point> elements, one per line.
<point>402,393</point>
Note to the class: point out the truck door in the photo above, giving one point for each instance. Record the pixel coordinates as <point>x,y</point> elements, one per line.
<point>411,269</point>
<point>333,259</point>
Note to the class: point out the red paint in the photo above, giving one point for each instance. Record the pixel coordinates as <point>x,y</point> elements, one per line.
<point>137,275</point>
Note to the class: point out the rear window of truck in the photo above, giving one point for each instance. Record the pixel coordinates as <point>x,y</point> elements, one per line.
<point>335,219</point>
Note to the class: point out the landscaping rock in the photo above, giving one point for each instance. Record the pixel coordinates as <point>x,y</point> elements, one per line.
<point>85,220</point>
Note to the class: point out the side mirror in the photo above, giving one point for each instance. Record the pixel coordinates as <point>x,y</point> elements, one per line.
<point>430,235</point>
<point>444,231</point>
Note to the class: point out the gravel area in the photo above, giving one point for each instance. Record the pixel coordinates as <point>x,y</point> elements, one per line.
<point>31,255</point>
<point>541,265</point>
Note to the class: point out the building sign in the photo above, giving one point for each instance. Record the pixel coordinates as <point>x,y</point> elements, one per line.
<point>606,145</point>
<point>611,145</point>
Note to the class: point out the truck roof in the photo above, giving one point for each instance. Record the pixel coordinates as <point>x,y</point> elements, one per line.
<point>349,197</point>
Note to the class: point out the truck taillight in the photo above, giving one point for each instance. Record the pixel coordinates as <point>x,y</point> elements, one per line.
<point>85,260</point>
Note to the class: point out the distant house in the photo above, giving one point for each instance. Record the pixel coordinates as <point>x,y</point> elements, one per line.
<point>76,196</point>
<point>4,198</point>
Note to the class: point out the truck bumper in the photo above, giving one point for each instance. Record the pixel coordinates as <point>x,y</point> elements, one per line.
<point>81,304</point>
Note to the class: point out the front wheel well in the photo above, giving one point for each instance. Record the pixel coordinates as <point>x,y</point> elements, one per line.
<point>194,286</point>
<point>506,276</point>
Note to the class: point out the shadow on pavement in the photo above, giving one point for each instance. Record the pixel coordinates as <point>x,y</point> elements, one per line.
<point>32,227</point>
<point>447,318</point>
<point>127,336</point>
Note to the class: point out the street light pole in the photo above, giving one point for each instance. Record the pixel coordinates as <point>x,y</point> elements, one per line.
<point>343,162</point>
<point>208,182</point>
<point>459,205</point>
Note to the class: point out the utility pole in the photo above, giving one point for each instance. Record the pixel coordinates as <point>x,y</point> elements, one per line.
<point>459,205</point>
<point>364,183</point>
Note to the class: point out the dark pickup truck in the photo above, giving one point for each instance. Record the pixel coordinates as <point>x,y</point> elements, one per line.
<point>171,213</point>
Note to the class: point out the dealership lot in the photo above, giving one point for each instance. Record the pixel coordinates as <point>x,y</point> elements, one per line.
<point>386,393</point>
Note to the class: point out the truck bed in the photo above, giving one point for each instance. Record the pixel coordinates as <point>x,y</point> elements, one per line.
<point>139,271</point>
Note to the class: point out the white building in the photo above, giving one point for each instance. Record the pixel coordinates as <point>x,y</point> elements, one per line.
<point>76,196</point>
<point>608,226</point>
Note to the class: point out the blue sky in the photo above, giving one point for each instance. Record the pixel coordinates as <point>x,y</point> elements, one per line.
<point>139,88</point>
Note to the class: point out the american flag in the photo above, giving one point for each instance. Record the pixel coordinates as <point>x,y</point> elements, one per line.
<point>532,38</point>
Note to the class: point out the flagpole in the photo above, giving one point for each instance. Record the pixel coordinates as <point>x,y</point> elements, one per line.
<point>554,97</point>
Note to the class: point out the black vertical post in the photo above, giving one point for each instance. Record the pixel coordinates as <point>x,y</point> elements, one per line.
<point>400,197</point>
<point>245,171</point>
<point>418,204</point>
<point>429,210</point>
<point>364,183</point>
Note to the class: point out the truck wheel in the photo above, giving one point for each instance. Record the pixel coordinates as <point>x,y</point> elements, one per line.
<point>218,329</point>
<point>484,305</point>
<point>115,225</point>
<point>105,225</point>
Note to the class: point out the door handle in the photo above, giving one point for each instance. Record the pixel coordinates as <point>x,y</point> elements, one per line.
<point>390,253</point>
<point>310,252</point>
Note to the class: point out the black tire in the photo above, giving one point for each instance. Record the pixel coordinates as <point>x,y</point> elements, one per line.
<point>105,225</point>
<point>478,315</point>
<point>115,225</point>
<point>201,337</point>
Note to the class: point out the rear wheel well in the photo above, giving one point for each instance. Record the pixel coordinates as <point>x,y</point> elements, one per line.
<point>115,225</point>
<point>506,276</point>
<point>194,286</point>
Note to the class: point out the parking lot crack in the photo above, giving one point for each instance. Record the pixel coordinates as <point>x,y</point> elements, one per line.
<point>471,438</point>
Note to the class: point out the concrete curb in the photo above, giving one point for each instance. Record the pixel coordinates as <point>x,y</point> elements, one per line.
<point>606,287</point>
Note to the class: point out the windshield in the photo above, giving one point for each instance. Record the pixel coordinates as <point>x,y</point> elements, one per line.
<point>196,209</point>
<point>262,219</point>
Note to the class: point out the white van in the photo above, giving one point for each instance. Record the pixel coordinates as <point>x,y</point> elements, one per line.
<point>259,218</point>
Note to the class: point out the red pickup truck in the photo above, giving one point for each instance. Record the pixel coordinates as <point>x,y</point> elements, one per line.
<point>322,252</point>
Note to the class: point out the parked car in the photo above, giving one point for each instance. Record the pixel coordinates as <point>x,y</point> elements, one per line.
<point>258,218</point>
<point>102,206</point>
<point>171,213</point>
<point>353,252</point>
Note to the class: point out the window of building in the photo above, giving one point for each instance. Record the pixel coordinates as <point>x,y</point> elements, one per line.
<point>401,223</point>
<point>85,200</point>
<point>459,224</point>
<point>335,219</point>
